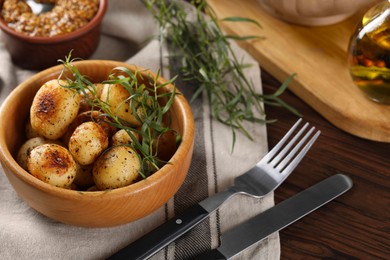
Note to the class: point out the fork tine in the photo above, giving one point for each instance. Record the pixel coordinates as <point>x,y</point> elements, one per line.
<point>293,164</point>
<point>275,161</point>
<point>283,163</point>
<point>279,145</point>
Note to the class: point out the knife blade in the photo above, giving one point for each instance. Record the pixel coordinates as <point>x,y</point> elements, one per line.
<point>278,217</point>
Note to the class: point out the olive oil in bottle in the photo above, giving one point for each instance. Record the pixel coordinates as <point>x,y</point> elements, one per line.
<point>369,53</point>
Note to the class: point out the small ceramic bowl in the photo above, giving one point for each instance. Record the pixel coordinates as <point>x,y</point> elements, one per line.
<point>36,53</point>
<point>92,208</point>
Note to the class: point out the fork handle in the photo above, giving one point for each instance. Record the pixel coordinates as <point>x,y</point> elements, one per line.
<point>163,235</point>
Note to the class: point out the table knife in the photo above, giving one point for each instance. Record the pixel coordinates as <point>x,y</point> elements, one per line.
<point>278,217</point>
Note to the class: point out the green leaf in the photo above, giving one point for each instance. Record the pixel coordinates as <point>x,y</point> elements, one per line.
<point>284,85</point>
<point>241,19</point>
<point>243,38</point>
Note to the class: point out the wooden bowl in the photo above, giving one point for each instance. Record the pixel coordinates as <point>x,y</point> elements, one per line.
<point>98,208</point>
<point>313,12</point>
<point>36,53</point>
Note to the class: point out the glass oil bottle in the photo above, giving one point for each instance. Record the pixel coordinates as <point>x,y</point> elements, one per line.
<point>369,53</point>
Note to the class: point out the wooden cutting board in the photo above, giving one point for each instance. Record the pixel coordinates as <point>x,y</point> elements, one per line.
<point>319,57</point>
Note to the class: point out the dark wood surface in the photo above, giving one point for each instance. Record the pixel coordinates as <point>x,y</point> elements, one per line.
<point>357,224</point>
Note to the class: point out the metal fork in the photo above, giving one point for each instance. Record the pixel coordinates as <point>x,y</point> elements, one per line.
<point>259,181</point>
<point>270,171</point>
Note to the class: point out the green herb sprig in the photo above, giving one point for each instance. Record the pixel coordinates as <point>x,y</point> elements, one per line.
<point>153,103</point>
<point>207,58</point>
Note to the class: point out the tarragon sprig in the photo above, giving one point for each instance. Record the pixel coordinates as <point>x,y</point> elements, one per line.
<point>208,59</point>
<point>148,99</point>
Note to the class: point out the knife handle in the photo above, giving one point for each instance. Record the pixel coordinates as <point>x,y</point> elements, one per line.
<point>211,255</point>
<point>163,235</point>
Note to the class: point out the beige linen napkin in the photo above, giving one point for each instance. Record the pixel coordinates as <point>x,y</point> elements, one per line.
<point>26,234</point>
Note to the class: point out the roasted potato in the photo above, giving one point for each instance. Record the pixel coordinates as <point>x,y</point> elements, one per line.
<point>25,149</point>
<point>88,116</point>
<point>165,145</point>
<point>117,167</point>
<point>84,179</point>
<point>87,142</point>
<point>122,137</point>
<point>29,131</point>
<point>118,98</point>
<point>90,94</point>
<point>93,188</point>
<point>52,164</point>
<point>53,109</point>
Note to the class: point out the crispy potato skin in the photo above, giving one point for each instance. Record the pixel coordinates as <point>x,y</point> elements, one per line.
<point>118,99</point>
<point>29,131</point>
<point>122,137</point>
<point>90,93</point>
<point>52,164</point>
<point>26,148</point>
<point>165,145</point>
<point>53,109</point>
<point>94,116</point>
<point>117,167</point>
<point>84,179</point>
<point>87,142</point>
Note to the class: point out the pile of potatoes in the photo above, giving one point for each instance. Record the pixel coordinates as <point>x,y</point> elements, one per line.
<point>71,146</point>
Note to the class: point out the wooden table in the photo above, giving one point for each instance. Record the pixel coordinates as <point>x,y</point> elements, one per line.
<point>355,225</point>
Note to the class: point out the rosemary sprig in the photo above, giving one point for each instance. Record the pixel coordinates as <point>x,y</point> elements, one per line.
<point>208,59</point>
<point>147,98</point>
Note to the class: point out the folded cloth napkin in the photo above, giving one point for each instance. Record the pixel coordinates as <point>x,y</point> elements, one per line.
<point>26,234</point>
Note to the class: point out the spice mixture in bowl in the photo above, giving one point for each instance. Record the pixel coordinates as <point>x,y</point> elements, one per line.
<point>65,17</point>
<point>36,41</point>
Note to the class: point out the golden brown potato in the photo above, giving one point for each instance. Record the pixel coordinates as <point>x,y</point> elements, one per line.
<point>166,145</point>
<point>84,179</point>
<point>73,186</point>
<point>84,106</point>
<point>52,164</point>
<point>29,131</point>
<point>88,116</point>
<point>122,137</point>
<point>115,168</point>
<point>87,142</point>
<point>53,109</point>
<point>93,188</point>
<point>25,149</point>
<point>117,97</point>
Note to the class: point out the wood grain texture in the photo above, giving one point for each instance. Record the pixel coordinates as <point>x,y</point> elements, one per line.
<point>319,57</point>
<point>354,226</point>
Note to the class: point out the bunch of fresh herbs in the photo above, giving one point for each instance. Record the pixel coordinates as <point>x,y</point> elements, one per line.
<point>208,59</point>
